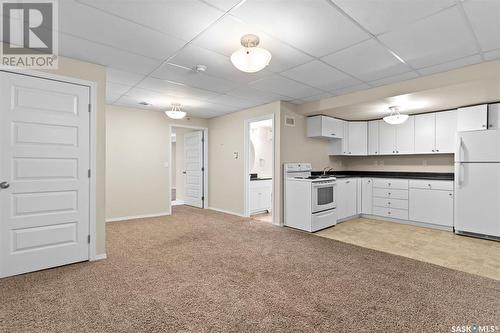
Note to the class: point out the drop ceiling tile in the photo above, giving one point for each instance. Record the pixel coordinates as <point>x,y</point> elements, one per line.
<point>261,97</point>
<point>82,49</point>
<point>234,101</point>
<point>394,79</point>
<point>183,19</point>
<point>484,16</point>
<point>115,91</point>
<point>224,38</point>
<point>176,89</point>
<point>313,26</point>
<point>379,16</point>
<point>132,102</point>
<point>283,86</point>
<point>224,4</point>
<point>475,59</point>
<point>194,79</point>
<point>218,65</point>
<point>317,97</point>
<point>320,75</point>
<point>491,55</point>
<point>114,31</point>
<point>368,61</point>
<point>348,90</point>
<point>122,77</point>
<point>436,39</point>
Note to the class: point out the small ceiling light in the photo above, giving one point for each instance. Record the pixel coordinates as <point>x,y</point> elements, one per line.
<point>200,68</point>
<point>250,58</point>
<point>176,112</point>
<point>395,118</point>
<point>145,103</point>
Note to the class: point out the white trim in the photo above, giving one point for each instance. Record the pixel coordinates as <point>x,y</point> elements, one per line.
<point>177,202</point>
<point>97,257</point>
<point>205,162</point>
<point>246,173</point>
<point>135,217</point>
<point>93,142</point>
<point>226,212</point>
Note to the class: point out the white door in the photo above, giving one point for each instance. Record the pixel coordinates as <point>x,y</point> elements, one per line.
<point>358,138</point>
<point>45,152</point>
<point>477,194</point>
<point>478,146</point>
<point>425,133</point>
<point>446,130</point>
<point>373,137</point>
<point>193,164</point>
<point>494,116</point>
<point>472,118</point>
<point>431,206</point>
<point>387,138</point>
<point>366,195</point>
<point>405,137</point>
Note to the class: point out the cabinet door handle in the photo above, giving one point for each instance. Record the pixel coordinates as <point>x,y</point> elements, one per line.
<point>333,134</point>
<point>433,150</point>
<point>484,126</point>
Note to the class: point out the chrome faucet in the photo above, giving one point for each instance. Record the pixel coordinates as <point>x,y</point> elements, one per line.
<point>327,169</point>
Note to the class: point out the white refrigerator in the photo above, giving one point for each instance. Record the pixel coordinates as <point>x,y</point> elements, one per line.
<point>477,183</point>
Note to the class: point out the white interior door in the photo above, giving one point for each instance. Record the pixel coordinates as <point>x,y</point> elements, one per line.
<point>45,153</point>
<point>193,167</point>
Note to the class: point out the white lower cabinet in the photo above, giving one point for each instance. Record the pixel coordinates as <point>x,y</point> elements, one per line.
<point>260,199</point>
<point>347,197</point>
<point>432,202</point>
<point>366,195</point>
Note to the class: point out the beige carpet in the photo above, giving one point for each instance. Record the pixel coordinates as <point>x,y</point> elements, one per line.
<point>205,271</point>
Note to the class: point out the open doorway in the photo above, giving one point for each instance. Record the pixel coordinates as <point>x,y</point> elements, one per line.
<point>189,158</point>
<point>259,168</point>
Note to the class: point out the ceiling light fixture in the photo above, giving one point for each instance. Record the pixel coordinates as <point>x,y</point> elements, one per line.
<point>250,58</point>
<point>395,118</point>
<point>176,112</point>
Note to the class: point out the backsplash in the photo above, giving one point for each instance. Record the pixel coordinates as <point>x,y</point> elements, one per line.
<point>409,163</point>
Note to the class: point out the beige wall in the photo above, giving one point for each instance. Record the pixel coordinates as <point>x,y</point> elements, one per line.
<point>226,173</point>
<point>138,145</point>
<point>414,163</point>
<point>96,73</point>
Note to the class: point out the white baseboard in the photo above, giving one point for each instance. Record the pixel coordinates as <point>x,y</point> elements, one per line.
<point>226,211</point>
<point>97,257</point>
<point>177,202</point>
<point>125,218</point>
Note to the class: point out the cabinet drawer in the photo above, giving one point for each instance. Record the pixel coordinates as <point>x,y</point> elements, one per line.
<point>444,185</point>
<point>401,214</point>
<point>390,183</point>
<point>390,203</point>
<point>390,193</point>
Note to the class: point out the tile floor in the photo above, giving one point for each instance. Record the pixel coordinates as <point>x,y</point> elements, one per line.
<point>444,248</point>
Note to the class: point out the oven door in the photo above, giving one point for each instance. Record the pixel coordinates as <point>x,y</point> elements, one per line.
<point>323,196</point>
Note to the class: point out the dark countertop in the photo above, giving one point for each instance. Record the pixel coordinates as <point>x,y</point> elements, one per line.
<point>253,179</point>
<point>390,174</point>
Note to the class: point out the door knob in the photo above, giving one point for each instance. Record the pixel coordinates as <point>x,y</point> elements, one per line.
<point>4,185</point>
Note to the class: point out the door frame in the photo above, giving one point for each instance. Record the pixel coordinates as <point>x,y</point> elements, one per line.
<point>246,173</point>
<point>92,146</point>
<point>205,162</point>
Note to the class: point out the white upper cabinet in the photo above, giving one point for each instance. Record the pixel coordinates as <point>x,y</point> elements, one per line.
<point>494,116</point>
<point>386,138</point>
<point>326,127</point>
<point>472,118</point>
<point>446,129</point>
<point>425,133</point>
<point>373,148</point>
<point>405,137</point>
<point>357,142</point>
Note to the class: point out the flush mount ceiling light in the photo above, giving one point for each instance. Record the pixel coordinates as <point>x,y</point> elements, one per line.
<point>395,118</point>
<point>250,58</point>
<point>176,112</point>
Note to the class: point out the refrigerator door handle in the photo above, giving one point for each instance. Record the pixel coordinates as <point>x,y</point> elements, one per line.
<point>459,176</point>
<point>459,149</point>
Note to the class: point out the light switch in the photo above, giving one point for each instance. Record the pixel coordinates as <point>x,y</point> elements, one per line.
<point>165,164</point>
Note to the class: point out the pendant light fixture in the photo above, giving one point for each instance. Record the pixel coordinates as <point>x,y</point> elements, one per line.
<point>395,118</point>
<point>250,58</point>
<point>176,112</point>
